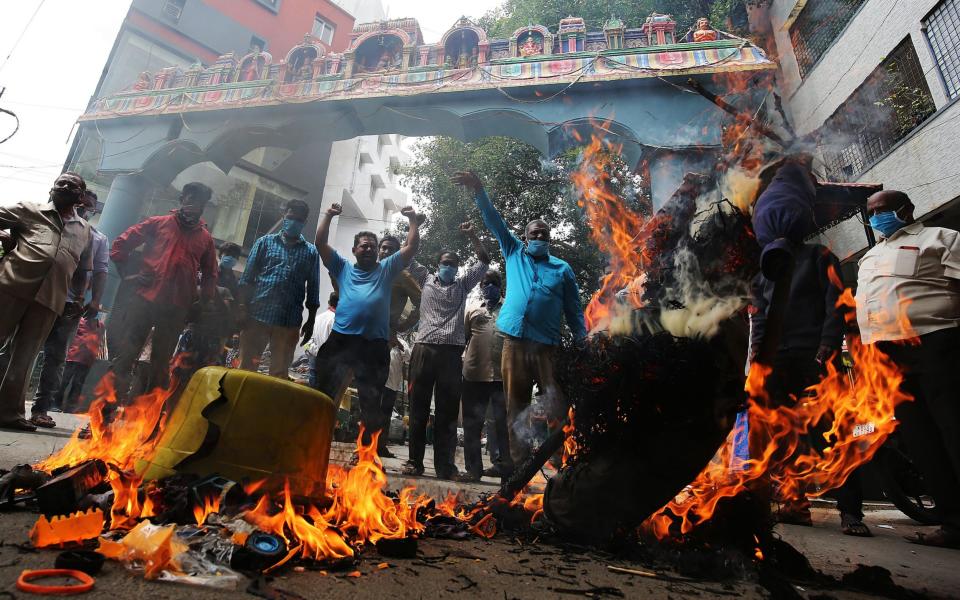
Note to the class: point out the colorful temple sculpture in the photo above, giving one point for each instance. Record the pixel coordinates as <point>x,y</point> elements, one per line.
<point>390,57</point>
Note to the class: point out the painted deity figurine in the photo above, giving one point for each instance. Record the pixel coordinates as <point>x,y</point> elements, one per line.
<point>143,82</point>
<point>702,32</point>
<point>531,47</point>
<point>306,69</point>
<point>251,69</point>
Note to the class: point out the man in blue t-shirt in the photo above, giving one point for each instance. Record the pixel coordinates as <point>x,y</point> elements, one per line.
<point>541,291</point>
<point>361,326</point>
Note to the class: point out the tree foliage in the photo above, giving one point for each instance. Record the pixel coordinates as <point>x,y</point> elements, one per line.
<point>502,21</point>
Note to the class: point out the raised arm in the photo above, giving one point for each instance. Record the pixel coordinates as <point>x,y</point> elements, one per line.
<point>409,249</point>
<point>323,234</point>
<point>478,247</point>
<point>491,217</point>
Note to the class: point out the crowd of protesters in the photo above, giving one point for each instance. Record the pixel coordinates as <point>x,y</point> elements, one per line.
<point>470,362</point>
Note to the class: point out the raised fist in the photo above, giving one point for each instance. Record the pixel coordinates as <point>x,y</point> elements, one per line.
<point>334,210</point>
<point>467,179</point>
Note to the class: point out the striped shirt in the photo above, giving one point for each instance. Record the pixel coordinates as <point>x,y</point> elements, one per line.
<point>441,307</point>
<point>282,277</point>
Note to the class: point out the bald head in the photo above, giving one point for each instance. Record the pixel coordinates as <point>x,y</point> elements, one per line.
<point>891,200</point>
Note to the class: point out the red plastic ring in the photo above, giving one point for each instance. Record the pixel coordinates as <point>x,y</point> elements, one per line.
<point>24,585</point>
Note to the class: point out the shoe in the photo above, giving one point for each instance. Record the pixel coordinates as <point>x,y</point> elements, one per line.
<point>85,433</point>
<point>795,517</point>
<point>43,420</point>
<point>385,453</point>
<point>448,474</point>
<point>467,478</point>
<point>497,470</point>
<point>55,409</point>
<point>853,525</point>
<point>18,424</point>
<point>412,469</point>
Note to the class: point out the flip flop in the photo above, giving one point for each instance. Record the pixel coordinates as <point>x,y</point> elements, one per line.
<point>18,424</point>
<point>939,539</point>
<point>853,526</point>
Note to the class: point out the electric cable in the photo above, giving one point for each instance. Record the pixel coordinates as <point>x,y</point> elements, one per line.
<point>22,33</point>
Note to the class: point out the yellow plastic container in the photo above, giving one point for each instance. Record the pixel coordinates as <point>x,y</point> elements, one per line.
<point>247,426</point>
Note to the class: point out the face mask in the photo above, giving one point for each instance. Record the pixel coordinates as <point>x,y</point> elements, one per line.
<point>446,273</point>
<point>538,248</point>
<point>887,223</point>
<point>228,262</point>
<point>292,228</point>
<point>491,293</point>
<point>187,220</point>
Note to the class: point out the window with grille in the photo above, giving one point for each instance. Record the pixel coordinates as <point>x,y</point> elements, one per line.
<point>893,101</point>
<point>173,9</point>
<point>323,30</point>
<point>817,26</point>
<point>942,26</point>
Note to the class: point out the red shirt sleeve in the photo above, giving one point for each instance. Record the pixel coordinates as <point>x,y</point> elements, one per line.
<point>131,239</point>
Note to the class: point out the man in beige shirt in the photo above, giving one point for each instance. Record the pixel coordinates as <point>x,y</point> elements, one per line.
<point>50,241</point>
<point>909,289</point>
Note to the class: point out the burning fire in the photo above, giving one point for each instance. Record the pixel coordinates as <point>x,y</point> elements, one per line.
<point>775,436</point>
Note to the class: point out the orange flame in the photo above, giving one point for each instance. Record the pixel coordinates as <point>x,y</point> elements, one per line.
<point>614,227</point>
<point>775,436</point>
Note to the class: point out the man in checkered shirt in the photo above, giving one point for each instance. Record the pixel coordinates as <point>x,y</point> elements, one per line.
<point>280,279</point>
<point>436,364</point>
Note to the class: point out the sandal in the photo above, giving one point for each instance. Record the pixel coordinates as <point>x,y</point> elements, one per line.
<point>412,469</point>
<point>42,420</point>
<point>19,424</point>
<point>939,538</point>
<point>854,526</point>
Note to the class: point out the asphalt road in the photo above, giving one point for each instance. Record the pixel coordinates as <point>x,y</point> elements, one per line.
<point>506,567</point>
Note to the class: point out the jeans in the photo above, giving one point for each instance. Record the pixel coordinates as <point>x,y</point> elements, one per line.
<point>435,372</point>
<point>54,355</point>
<point>368,360</point>
<point>74,376</point>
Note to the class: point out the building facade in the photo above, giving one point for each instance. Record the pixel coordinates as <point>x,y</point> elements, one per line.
<point>878,83</point>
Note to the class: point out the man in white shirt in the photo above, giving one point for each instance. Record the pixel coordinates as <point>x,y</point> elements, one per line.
<point>909,289</point>
<point>321,330</point>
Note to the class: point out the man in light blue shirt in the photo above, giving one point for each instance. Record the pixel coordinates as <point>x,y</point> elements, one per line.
<point>361,326</point>
<point>541,291</point>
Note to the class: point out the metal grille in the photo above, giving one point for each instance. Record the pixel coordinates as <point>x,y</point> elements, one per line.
<point>817,26</point>
<point>891,103</point>
<point>943,31</point>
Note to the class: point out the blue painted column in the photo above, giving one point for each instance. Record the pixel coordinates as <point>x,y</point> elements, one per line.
<point>120,211</point>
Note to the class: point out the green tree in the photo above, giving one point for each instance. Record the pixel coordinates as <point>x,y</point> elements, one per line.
<point>502,21</point>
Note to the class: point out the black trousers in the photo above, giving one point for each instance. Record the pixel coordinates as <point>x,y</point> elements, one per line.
<point>435,372</point>
<point>477,395</point>
<point>74,376</point>
<point>792,373</point>
<point>368,361</point>
<point>930,424</point>
<point>388,398</point>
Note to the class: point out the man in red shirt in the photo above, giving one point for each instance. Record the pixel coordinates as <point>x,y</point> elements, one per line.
<point>176,247</point>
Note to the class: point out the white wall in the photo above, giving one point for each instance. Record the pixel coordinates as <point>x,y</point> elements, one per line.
<point>364,11</point>
<point>926,164</point>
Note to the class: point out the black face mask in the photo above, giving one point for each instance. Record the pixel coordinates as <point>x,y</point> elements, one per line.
<point>187,220</point>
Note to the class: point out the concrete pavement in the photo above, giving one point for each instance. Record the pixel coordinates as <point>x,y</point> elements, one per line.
<point>508,567</point>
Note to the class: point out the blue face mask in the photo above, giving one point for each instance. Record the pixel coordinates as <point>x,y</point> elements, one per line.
<point>228,262</point>
<point>887,223</point>
<point>538,248</point>
<point>491,293</point>
<point>447,273</point>
<point>292,228</point>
